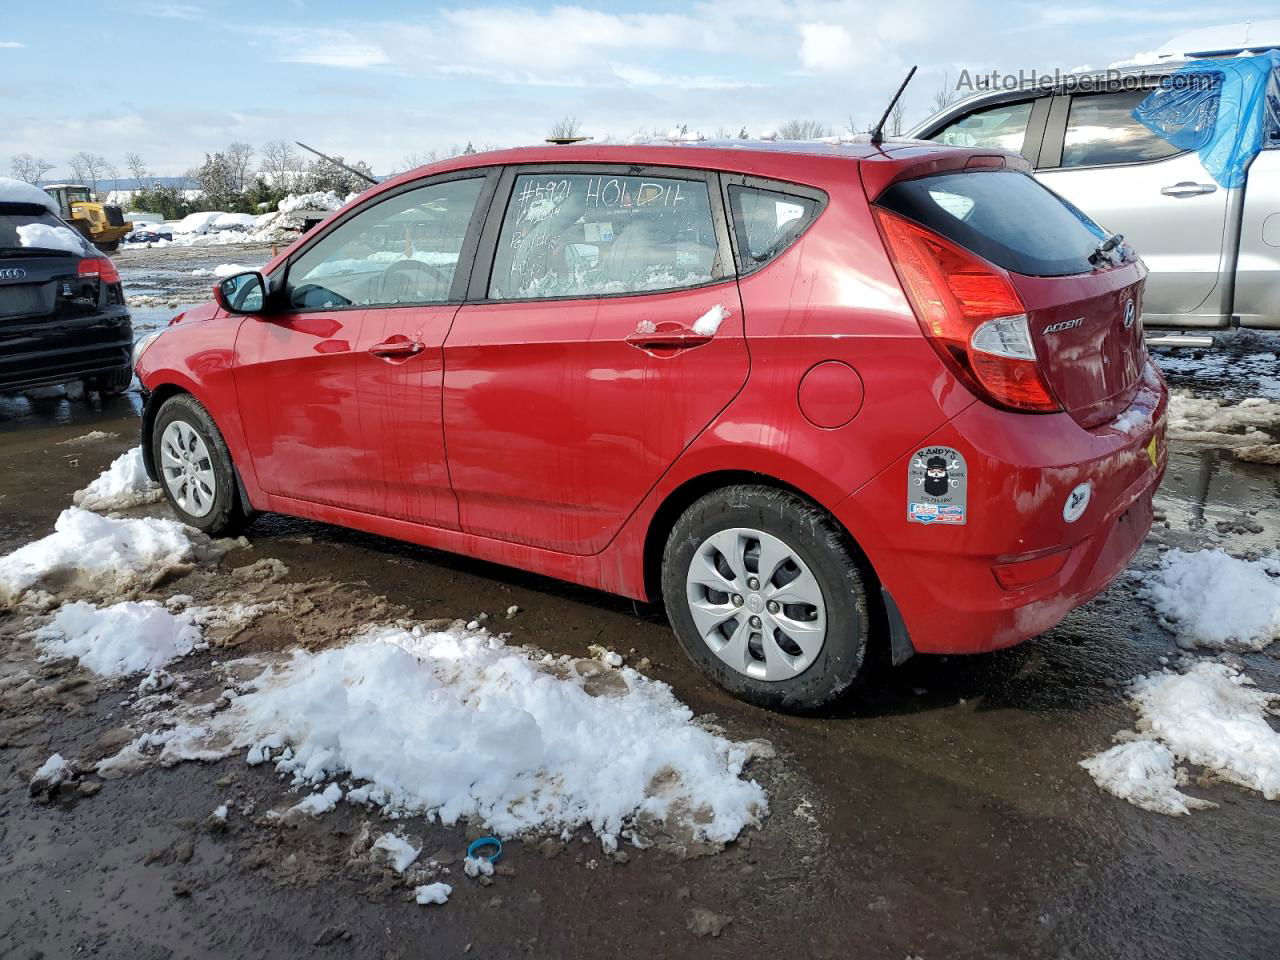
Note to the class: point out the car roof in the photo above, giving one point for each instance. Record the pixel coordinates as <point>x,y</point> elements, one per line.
<point>761,157</point>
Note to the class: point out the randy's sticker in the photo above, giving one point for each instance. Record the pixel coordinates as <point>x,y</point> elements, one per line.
<point>937,486</point>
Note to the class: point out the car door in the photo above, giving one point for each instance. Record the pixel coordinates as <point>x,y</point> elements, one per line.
<point>606,332</point>
<point>1162,200</point>
<point>340,390</point>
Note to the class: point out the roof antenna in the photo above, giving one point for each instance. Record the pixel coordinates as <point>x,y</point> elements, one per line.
<point>337,163</point>
<point>877,132</point>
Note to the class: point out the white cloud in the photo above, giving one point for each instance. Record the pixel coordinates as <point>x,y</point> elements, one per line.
<point>329,48</point>
<point>11,45</point>
<point>173,11</point>
<point>826,47</point>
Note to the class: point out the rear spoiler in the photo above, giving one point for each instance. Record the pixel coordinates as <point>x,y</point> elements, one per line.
<point>910,162</point>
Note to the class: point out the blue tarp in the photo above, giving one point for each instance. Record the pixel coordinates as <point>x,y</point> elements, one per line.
<point>1226,110</point>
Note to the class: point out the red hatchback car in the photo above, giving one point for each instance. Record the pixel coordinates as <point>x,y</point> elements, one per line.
<point>822,400</point>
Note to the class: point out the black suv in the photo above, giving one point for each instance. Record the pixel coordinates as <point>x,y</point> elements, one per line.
<point>62,311</point>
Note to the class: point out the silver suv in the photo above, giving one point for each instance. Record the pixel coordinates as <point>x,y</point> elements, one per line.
<point>1213,253</point>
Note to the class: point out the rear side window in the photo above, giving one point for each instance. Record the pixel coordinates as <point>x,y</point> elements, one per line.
<point>33,231</point>
<point>767,221</point>
<point>1002,216</point>
<point>582,235</point>
<point>1003,127</point>
<point>1101,129</point>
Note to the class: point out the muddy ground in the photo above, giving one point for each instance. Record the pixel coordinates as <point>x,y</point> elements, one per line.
<point>944,816</point>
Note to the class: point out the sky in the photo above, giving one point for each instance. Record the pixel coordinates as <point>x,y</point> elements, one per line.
<point>388,80</point>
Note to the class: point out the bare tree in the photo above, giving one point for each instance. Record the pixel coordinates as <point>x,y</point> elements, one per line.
<point>803,130</point>
<point>87,168</point>
<point>895,119</point>
<point>29,168</point>
<point>114,173</point>
<point>945,95</point>
<point>137,169</point>
<point>411,161</point>
<point>239,160</point>
<point>853,128</point>
<point>280,162</point>
<point>564,128</point>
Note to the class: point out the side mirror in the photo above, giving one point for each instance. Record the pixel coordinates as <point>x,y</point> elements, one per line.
<point>241,293</point>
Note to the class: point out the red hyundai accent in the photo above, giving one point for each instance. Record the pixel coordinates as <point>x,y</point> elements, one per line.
<point>822,400</point>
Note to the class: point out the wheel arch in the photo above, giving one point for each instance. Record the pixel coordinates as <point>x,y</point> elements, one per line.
<point>690,491</point>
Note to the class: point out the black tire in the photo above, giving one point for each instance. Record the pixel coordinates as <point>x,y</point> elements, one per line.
<point>844,660</point>
<point>228,514</point>
<point>112,384</point>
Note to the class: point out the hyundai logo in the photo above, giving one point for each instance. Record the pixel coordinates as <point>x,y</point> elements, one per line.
<point>13,273</point>
<point>1128,314</point>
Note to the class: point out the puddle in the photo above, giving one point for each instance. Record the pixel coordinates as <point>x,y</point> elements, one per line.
<point>1207,490</point>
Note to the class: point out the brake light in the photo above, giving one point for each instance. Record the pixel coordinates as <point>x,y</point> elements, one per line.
<point>101,268</point>
<point>970,314</point>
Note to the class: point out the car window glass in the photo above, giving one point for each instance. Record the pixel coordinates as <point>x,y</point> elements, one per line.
<point>1003,127</point>
<point>1101,129</point>
<point>569,235</point>
<point>767,221</point>
<point>402,250</point>
<point>1004,216</point>
<point>35,231</point>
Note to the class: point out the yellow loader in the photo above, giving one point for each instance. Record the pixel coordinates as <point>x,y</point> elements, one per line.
<point>101,224</point>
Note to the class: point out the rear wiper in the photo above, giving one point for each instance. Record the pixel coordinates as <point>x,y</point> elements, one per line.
<point>1105,249</point>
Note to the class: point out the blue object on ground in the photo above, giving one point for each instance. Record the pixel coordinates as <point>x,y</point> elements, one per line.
<point>477,845</point>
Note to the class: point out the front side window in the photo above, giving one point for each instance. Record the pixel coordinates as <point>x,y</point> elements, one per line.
<point>581,235</point>
<point>1003,127</point>
<point>400,251</point>
<point>1101,129</point>
<point>767,221</point>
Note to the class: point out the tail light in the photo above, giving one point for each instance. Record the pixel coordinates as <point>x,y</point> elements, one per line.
<point>970,314</point>
<point>99,268</point>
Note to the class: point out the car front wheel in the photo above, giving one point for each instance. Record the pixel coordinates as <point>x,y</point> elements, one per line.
<point>765,595</point>
<point>195,467</point>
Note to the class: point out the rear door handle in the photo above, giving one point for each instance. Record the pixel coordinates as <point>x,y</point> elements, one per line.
<point>678,339</point>
<point>397,348</point>
<point>1188,188</point>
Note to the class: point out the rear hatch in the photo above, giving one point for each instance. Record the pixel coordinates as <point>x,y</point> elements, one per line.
<point>1024,298</point>
<point>42,272</point>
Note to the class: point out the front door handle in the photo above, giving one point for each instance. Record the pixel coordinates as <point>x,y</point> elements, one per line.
<point>1188,188</point>
<point>679,338</point>
<point>397,348</point>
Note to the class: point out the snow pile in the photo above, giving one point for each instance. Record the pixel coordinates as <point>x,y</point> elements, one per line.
<point>1210,716</point>
<point>95,552</point>
<point>197,223</point>
<point>19,191</point>
<point>1210,599</point>
<point>432,893</point>
<point>317,200</point>
<point>45,236</point>
<point>1143,772</point>
<point>123,484</point>
<point>123,638</point>
<point>1210,420</point>
<point>233,221</point>
<point>457,724</point>
<point>707,324</point>
<point>52,772</point>
<point>400,852</point>
<point>221,270</point>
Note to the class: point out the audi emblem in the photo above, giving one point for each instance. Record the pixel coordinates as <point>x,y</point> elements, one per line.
<point>12,273</point>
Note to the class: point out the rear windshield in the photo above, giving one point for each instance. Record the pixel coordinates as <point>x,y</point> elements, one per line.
<point>1002,216</point>
<point>33,231</point>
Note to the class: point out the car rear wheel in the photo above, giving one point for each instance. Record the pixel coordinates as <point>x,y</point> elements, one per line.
<point>765,595</point>
<point>195,467</point>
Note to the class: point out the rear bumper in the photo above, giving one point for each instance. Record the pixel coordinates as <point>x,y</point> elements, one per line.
<point>92,347</point>
<point>1021,472</point>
